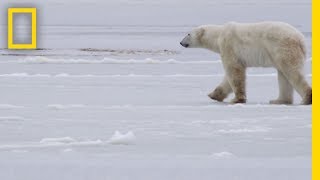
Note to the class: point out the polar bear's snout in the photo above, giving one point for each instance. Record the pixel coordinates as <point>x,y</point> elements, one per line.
<point>185,41</point>
<point>184,44</point>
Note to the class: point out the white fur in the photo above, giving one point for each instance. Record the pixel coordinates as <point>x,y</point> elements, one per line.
<point>265,44</point>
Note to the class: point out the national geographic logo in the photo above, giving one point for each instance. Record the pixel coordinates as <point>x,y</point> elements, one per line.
<point>11,33</point>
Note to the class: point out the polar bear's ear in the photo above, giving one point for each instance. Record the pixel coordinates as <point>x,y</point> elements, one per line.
<point>200,32</point>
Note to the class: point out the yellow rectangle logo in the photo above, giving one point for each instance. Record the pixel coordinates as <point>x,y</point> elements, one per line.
<point>33,12</point>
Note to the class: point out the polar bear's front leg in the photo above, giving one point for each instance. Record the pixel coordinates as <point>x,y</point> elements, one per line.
<point>236,74</point>
<point>222,91</point>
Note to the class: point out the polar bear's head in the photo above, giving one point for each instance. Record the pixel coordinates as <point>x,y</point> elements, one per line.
<point>193,39</point>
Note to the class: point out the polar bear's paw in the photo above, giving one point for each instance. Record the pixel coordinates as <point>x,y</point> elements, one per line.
<point>307,99</point>
<point>238,100</point>
<point>280,101</point>
<point>218,94</point>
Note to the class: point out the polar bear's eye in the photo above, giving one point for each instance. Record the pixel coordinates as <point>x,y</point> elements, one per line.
<point>188,34</point>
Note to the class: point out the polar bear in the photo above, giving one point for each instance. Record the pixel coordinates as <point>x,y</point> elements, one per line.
<point>264,44</point>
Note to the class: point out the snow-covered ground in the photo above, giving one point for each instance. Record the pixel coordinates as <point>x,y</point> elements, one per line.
<point>112,95</point>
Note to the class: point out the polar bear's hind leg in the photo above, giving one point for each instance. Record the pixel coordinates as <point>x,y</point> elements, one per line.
<point>298,81</point>
<point>285,91</point>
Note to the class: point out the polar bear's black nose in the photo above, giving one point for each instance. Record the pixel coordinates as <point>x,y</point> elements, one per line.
<point>184,45</point>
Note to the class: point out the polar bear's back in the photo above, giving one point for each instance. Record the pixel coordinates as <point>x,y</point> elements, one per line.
<point>265,41</point>
<point>275,29</point>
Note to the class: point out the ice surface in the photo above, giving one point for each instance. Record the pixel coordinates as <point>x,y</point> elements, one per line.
<point>44,60</point>
<point>222,155</point>
<point>124,139</point>
<point>117,65</point>
<point>57,140</point>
